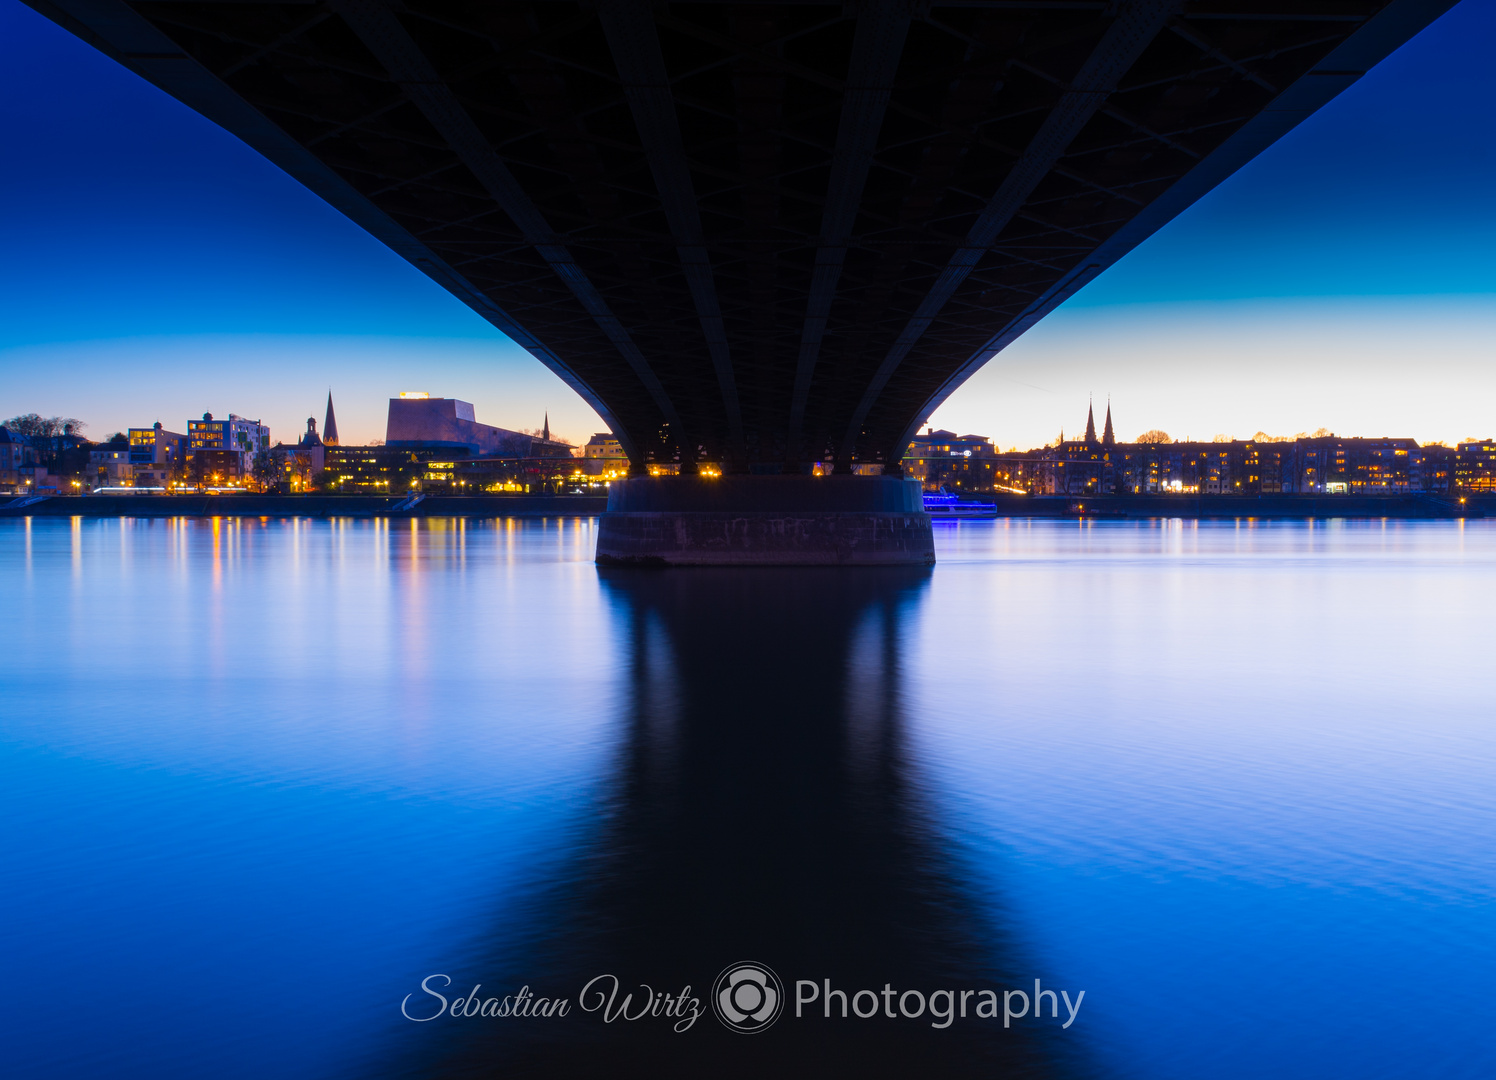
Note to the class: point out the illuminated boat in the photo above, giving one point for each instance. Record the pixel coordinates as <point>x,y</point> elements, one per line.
<point>942,504</point>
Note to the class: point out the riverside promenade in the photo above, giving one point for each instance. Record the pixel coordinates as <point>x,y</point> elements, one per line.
<point>1262,507</point>
<point>317,506</point>
<point>1274,506</point>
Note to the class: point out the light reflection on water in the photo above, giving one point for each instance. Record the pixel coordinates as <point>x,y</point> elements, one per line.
<point>260,777</point>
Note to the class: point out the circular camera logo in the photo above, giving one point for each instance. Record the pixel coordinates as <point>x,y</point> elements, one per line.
<point>748,997</point>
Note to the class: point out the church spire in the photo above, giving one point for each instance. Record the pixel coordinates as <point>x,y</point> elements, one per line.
<point>330,425</point>
<point>545,432</point>
<point>1107,437</point>
<point>1090,424</point>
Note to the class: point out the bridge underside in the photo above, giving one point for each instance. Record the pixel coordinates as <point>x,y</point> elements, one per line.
<point>761,234</point>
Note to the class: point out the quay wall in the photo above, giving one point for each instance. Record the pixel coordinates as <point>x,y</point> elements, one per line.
<point>1279,507</point>
<point>319,506</point>
<point>1131,506</point>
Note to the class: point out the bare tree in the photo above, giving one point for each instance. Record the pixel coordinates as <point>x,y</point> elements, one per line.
<point>1154,435</point>
<point>268,467</point>
<point>32,426</point>
<point>35,426</point>
<point>197,471</point>
<point>48,435</point>
<point>301,467</point>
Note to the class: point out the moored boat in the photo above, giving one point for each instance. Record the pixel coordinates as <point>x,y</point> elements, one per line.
<point>942,504</point>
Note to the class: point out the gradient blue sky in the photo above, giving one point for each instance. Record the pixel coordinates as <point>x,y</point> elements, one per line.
<point>152,267</point>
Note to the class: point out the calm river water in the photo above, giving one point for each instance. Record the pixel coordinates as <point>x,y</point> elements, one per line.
<point>261,780</point>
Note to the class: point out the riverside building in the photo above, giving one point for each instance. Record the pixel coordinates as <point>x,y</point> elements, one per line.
<point>224,450</point>
<point>1475,466</point>
<point>157,456</point>
<point>1309,465</point>
<point>940,458</point>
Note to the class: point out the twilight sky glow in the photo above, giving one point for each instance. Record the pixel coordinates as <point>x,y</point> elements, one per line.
<point>152,267</point>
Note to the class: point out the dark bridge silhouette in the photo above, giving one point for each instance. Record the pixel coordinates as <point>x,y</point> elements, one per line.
<point>761,234</point>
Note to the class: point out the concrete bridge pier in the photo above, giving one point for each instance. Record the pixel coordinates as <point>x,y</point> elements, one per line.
<point>765,521</point>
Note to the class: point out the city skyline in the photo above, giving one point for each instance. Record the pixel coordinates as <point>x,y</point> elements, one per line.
<point>1068,432</point>
<point>159,269</point>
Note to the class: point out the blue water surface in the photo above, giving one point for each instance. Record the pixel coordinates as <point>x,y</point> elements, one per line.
<point>259,778</point>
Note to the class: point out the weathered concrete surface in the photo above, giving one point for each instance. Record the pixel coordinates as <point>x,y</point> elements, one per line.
<point>807,494</point>
<point>765,539</point>
<point>765,521</point>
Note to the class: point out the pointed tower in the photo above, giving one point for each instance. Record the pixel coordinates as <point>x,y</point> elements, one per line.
<point>1107,437</point>
<point>1090,424</point>
<point>545,432</point>
<point>330,425</point>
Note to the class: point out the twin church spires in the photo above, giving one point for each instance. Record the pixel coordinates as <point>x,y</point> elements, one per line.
<point>1108,438</point>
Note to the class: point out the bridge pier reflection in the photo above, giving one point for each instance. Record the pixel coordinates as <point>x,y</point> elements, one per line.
<point>765,521</point>
<point>764,805</point>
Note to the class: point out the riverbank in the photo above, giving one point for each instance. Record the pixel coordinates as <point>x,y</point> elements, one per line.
<point>1280,507</point>
<point>318,506</point>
